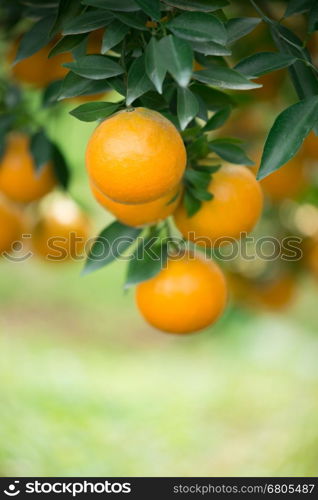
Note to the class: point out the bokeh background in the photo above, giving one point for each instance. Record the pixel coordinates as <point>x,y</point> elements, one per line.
<point>87,388</point>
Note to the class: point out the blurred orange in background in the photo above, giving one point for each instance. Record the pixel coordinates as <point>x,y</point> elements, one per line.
<point>37,70</point>
<point>19,179</point>
<point>286,182</point>
<point>61,231</point>
<point>11,224</point>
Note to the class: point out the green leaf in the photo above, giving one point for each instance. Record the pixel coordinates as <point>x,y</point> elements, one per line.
<point>153,100</point>
<point>151,8</point>
<point>231,140</point>
<point>41,149</point>
<point>218,119</point>
<point>213,99</point>
<point>313,19</point>
<point>211,169</point>
<point>298,7</point>
<point>89,21</point>
<point>67,9</point>
<point>61,169</point>
<point>92,111</point>
<point>137,21</point>
<point>117,84</point>
<point>191,204</point>
<point>36,38</point>
<point>66,44</point>
<point>226,78</point>
<point>81,49</point>
<point>74,85</point>
<point>198,5</point>
<point>230,152</point>
<point>96,67</point>
<point>287,134</point>
<point>200,194</point>
<point>199,27</point>
<point>210,48</point>
<point>199,148</point>
<point>304,78</point>
<point>147,260</point>
<point>238,27</point>
<point>179,58</point>
<point>171,117</point>
<point>112,242</point>
<point>187,106</point>
<point>138,82</point>
<point>197,178</point>
<point>155,64</point>
<point>51,93</point>
<point>116,5</point>
<point>114,34</point>
<point>6,121</point>
<point>203,110</point>
<point>264,62</point>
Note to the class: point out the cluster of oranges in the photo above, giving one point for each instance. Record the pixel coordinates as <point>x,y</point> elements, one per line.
<point>20,186</point>
<point>135,161</point>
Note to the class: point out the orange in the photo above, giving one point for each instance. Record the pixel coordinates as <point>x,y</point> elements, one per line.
<point>278,294</point>
<point>11,225</point>
<point>144,213</point>
<point>188,295</point>
<point>286,182</point>
<point>310,147</point>
<point>37,70</point>
<point>234,209</point>
<point>61,233</point>
<point>135,156</point>
<point>18,178</point>
<point>273,295</point>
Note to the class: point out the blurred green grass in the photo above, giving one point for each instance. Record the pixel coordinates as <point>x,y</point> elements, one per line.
<point>87,388</point>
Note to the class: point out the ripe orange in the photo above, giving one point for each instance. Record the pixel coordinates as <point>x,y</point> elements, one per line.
<point>135,156</point>
<point>61,232</point>
<point>144,213</point>
<point>18,178</point>
<point>234,209</point>
<point>278,294</point>
<point>272,295</point>
<point>11,225</point>
<point>287,182</point>
<point>188,295</point>
<point>38,71</point>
